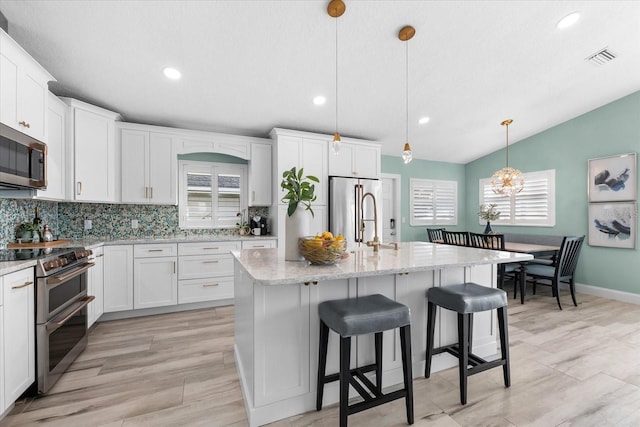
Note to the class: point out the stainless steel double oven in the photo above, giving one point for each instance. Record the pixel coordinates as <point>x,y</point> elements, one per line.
<point>61,312</point>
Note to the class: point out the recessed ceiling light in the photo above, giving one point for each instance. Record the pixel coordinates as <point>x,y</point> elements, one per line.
<point>172,73</point>
<point>319,100</point>
<point>424,120</point>
<point>568,20</point>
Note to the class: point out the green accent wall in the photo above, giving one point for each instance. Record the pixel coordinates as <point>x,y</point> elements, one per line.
<point>425,169</point>
<point>606,131</point>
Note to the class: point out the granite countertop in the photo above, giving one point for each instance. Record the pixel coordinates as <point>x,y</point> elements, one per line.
<point>265,267</point>
<point>7,267</point>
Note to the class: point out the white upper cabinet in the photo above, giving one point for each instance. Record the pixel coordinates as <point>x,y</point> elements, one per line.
<point>23,85</point>
<point>260,175</point>
<point>206,142</point>
<point>93,173</point>
<point>301,150</point>
<point>56,150</point>
<point>358,160</point>
<point>148,166</point>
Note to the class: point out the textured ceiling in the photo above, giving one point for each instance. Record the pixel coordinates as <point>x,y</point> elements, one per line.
<point>249,66</point>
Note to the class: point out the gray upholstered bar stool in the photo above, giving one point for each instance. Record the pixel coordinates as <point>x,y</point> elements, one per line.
<point>370,314</point>
<point>466,299</point>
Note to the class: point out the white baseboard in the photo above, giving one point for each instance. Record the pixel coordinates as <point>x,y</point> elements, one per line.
<point>608,293</point>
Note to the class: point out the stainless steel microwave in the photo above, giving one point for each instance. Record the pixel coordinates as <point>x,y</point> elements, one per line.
<point>23,160</point>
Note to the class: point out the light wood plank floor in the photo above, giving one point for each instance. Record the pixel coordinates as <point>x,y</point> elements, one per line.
<point>580,366</point>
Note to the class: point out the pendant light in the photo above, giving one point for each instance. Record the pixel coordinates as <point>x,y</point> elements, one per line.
<point>405,34</point>
<point>336,9</point>
<point>507,181</point>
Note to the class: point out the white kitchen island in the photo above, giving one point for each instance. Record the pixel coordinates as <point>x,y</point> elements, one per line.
<point>276,320</point>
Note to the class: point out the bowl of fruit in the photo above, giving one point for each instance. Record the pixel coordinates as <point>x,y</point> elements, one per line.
<point>322,249</point>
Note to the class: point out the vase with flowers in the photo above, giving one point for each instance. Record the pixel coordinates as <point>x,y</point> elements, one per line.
<point>489,213</point>
<point>242,224</point>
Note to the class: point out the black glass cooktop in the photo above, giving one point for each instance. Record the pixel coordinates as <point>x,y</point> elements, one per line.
<point>26,254</point>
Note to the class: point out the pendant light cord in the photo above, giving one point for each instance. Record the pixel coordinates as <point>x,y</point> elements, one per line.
<point>407,93</point>
<point>507,144</point>
<point>336,18</point>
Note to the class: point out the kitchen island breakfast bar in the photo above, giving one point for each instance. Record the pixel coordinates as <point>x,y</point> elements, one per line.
<point>277,324</point>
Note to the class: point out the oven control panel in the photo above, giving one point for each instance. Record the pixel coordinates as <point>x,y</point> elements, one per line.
<point>68,258</point>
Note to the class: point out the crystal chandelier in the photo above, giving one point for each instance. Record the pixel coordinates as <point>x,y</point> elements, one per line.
<point>335,9</point>
<point>405,34</point>
<point>507,181</point>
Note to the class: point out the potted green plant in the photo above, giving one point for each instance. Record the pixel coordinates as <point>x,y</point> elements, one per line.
<point>26,231</point>
<point>489,213</point>
<point>299,190</point>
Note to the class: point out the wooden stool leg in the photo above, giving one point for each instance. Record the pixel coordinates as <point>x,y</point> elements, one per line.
<point>322,363</point>
<point>407,369</point>
<point>345,378</point>
<point>378,347</point>
<point>463,344</point>
<point>431,327</point>
<point>504,344</point>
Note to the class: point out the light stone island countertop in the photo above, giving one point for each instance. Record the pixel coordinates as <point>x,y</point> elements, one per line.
<point>265,267</point>
<point>7,267</point>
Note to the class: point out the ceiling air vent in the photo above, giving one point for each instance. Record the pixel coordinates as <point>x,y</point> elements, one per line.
<point>601,57</point>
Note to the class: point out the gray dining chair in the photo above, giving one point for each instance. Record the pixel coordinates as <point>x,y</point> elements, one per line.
<point>562,272</point>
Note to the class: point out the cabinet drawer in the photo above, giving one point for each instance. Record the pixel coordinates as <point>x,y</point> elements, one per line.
<point>200,266</point>
<point>207,248</point>
<point>258,244</point>
<point>154,250</point>
<point>204,289</point>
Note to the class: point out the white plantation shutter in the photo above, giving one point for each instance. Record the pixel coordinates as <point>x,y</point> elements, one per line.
<point>534,205</point>
<point>433,202</point>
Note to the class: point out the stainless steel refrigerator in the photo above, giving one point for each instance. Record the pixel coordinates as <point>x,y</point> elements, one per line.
<point>351,209</point>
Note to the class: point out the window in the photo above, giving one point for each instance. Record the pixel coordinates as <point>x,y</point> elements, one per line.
<point>211,194</point>
<point>534,205</point>
<point>433,202</point>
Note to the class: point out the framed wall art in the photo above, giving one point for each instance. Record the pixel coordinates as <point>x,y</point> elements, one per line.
<point>613,225</point>
<point>613,179</point>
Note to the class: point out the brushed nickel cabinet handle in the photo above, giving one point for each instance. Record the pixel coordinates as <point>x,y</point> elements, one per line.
<point>210,262</point>
<point>25,124</point>
<point>99,255</point>
<point>212,249</point>
<point>174,267</point>
<point>79,187</point>
<point>151,192</point>
<point>22,286</point>
<point>155,250</point>
<point>210,285</point>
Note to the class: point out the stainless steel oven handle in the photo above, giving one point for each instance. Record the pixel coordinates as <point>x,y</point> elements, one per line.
<point>52,326</point>
<point>56,280</point>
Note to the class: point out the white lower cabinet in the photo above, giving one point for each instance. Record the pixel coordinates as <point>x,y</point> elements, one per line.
<point>95,286</point>
<point>205,271</point>
<point>155,282</point>
<point>17,330</point>
<point>118,278</point>
<point>145,276</point>
<point>259,244</point>
<point>207,289</point>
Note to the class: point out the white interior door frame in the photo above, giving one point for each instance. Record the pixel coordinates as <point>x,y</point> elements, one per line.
<point>397,214</point>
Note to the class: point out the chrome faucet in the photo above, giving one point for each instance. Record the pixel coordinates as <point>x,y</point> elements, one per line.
<point>376,241</point>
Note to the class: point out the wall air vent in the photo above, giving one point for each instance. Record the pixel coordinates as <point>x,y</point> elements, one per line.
<point>601,57</point>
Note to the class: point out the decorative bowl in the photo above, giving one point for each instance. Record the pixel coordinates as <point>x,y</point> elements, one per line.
<point>321,251</point>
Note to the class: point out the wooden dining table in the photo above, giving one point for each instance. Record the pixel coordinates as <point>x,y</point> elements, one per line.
<point>532,249</point>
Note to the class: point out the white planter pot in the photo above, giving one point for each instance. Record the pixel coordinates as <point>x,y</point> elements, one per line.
<point>296,226</point>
